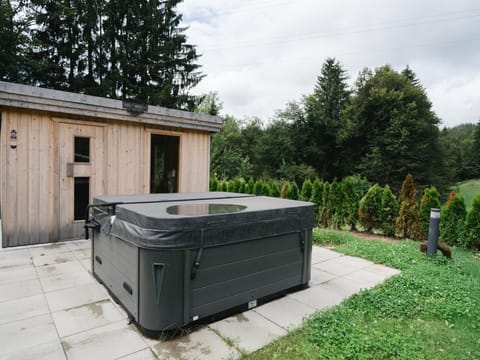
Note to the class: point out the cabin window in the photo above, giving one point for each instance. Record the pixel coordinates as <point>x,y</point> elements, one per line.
<point>164,163</point>
<point>81,194</point>
<point>82,149</point>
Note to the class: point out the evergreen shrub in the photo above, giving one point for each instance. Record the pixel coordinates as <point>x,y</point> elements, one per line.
<point>266,189</point>
<point>353,189</point>
<point>257,187</point>
<point>452,220</point>
<point>249,186</point>
<point>275,190</point>
<point>472,229</point>
<point>307,189</point>
<point>407,224</point>
<point>388,212</point>
<point>430,199</point>
<point>213,183</point>
<point>292,191</point>
<point>334,205</point>
<point>369,211</point>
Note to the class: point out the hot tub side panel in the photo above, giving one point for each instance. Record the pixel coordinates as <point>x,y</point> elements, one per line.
<point>174,294</point>
<point>162,280</point>
<point>115,264</point>
<point>234,274</point>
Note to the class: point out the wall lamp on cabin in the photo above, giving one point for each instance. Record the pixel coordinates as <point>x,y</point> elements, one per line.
<point>13,139</point>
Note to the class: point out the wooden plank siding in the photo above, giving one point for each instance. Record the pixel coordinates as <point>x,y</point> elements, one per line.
<point>194,158</point>
<point>32,174</point>
<point>26,181</point>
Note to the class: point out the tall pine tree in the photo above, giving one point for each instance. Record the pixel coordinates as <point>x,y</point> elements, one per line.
<point>55,49</point>
<point>8,43</point>
<point>475,155</point>
<point>13,39</point>
<point>322,120</point>
<point>129,50</point>
<point>147,54</point>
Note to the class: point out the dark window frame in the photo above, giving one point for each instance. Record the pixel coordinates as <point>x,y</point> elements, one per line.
<point>80,199</point>
<point>79,155</point>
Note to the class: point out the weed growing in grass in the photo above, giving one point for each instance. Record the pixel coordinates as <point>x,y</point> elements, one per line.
<point>430,311</point>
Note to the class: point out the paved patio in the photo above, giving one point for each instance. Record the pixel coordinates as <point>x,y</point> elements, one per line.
<point>52,308</point>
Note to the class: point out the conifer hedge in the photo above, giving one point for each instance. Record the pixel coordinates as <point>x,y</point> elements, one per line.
<point>353,203</point>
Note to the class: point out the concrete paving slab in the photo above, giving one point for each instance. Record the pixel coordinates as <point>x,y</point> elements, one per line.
<point>334,267</point>
<point>58,269</point>
<point>320,254</point>
<point>17,274</point>
<point>77,296</point>
<point>14,253</point>
<point>385,271</point>
<point>86,317</point>
<point>285,312</point>
<point>48,351</point>
<point>342,286</point>
<point>107,342</point>
<point>367,279</point>
<point>318,277</point>
<point>353,261</point>
<point>199,345</point>
<point>82,253</point>
<point>53,259</point>
<point>248,331</point>
<point>16,290</point>
<point>23,334</point>
<point>79,244</point>
<point>317,297</point>
<point>49,250</point>
<point>146,354</point>
<point>87,264</point>
<point>66,280</point>
<point>23,308</point>
<point>12,261</point>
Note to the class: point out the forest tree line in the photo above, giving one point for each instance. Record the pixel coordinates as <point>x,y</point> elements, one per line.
<point>381,129</point>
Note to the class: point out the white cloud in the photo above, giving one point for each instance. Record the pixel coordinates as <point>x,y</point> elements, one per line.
<point>258,55</point>
<point>465,91</point>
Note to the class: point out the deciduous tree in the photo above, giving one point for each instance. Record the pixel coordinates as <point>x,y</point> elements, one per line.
<point>391,129</point>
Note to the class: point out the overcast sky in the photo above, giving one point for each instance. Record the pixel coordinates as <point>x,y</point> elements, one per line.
<point>260,54</point>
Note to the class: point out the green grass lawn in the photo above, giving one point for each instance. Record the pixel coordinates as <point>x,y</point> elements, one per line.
<point>469,189</point>
<point>430,311</point>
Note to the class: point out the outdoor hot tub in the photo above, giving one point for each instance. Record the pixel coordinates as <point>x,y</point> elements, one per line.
<point>173,259</point>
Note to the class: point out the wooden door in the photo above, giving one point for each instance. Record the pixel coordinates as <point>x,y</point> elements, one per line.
<point>81,167</point>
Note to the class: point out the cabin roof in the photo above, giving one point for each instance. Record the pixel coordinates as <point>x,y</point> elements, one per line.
<point>61,102</point>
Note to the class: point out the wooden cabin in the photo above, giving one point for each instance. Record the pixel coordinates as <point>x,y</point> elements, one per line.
<point>58,150</point>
